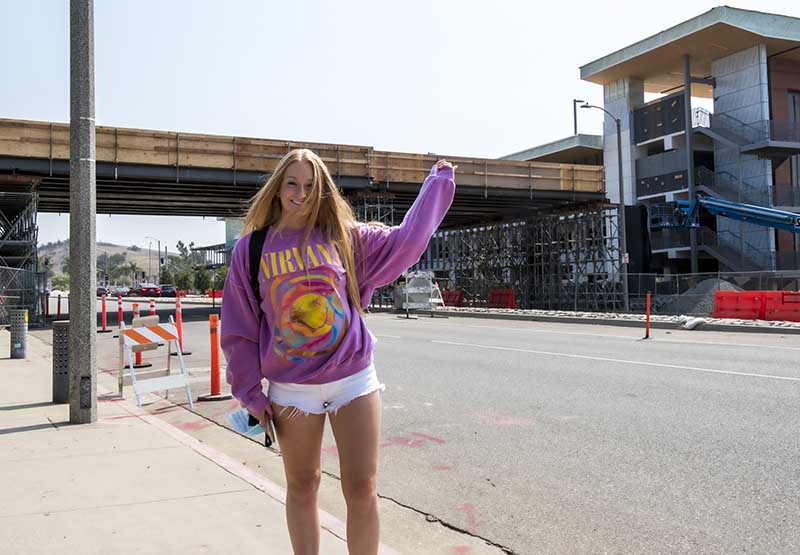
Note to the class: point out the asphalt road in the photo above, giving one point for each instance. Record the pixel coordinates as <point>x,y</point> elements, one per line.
<point>584,439</point>
<point>559,438</point>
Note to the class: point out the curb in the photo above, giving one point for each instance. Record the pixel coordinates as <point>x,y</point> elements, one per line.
<point>597,321</point>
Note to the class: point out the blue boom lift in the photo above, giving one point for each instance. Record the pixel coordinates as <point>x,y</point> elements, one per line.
<point>684,213</point>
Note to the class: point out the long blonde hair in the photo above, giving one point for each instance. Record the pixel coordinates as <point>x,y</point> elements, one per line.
<point>329,211</point>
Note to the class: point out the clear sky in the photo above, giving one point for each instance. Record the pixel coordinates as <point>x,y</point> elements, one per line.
<point>457,77</point>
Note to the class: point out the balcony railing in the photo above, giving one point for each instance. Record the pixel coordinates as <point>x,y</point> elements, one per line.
<point>786,195</point>
<point>727,186</point>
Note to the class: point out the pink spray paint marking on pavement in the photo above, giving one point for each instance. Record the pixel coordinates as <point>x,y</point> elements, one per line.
<point>327,520</point>
<point>413,443</point>
<point>460,550</point>
<point>472,523</point>
<point>429,438</point>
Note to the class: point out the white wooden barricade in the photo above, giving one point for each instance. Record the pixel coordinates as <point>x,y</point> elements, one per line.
<point>148,336</point>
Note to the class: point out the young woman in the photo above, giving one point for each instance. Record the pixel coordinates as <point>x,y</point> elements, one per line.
<point>317,271</point>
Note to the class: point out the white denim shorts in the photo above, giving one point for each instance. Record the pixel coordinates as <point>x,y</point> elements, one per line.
<point>326,397</point>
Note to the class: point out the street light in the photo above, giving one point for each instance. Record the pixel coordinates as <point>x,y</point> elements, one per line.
<point>105,273</point>
<point>623,243</point>
<point>575,103</point>
<point>159,256</point>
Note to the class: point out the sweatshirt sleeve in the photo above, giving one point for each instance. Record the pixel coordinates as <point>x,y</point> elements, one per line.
<point>241,328</point>
<point>387,252</point>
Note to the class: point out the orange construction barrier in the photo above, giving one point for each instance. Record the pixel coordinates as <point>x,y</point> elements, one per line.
<point>452,298</point>
<point>757,305</point>
<point>137,363</point>
<point>744,305</point>
<point>502,298</point>
<point>784,307</point>
<point>179,325</point>
<point>103,317</point>
<point>152,307</point>
<point>119,314</point>
<point>216,394</point>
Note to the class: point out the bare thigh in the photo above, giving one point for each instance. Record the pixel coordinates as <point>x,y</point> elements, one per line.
<point>300,440</point>
<point>357,427</point>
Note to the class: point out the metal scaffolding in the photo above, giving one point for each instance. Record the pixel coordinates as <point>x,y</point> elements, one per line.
<point>21,286</point>
<point>373,207</point>
<point>561,261</point>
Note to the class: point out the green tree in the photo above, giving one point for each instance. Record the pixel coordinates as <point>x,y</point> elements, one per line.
<point>65,265</point>
<point>60,282</point>
<point>184,279</point>
<point>202,280</point>
<point>166,275</point>
<point>219,277</point>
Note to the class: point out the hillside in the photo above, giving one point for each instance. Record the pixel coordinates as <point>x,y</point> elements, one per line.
<point>58,252</point>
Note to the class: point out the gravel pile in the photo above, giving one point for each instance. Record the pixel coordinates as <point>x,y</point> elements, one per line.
<point>699,299</point>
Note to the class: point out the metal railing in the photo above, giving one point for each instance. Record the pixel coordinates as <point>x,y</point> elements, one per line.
<point>729,187</point>
<point>737,251</point>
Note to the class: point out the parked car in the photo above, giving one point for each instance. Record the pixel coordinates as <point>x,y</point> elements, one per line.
<point>120,290</point>
<point>169,290</point>
<point>102,291</point>
<point>148,290</point>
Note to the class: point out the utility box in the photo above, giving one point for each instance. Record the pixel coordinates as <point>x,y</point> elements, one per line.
<point>18,320</point>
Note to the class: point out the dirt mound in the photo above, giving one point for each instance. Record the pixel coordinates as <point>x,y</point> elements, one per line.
<point>700,298</point>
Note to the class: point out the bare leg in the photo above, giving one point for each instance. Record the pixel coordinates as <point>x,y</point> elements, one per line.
<point>300,440</point>
<point>357,428</point>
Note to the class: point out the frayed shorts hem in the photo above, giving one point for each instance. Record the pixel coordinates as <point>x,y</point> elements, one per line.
<point>304,399</point>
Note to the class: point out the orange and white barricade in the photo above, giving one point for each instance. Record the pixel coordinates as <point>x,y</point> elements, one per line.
<point>149,335</point>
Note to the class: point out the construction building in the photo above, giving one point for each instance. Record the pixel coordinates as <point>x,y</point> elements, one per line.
<point>744,148</point>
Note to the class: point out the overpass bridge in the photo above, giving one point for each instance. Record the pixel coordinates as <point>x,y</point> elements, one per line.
<point>189,174</point>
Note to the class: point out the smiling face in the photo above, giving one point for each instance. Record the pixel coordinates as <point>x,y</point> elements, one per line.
<point>298,182</point>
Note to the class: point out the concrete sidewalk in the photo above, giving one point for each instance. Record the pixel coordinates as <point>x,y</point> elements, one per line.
<point>128,483</point>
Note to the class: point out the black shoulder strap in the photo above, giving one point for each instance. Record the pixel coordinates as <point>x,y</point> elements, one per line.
<point>257,239</point>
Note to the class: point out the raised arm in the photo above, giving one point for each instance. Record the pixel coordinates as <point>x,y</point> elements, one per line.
<point>387,252</point>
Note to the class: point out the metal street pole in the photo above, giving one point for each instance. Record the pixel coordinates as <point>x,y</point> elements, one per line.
<point>687,120</point>
<point>82,358</point>
<point>159,255</point>
<point>575,103</point>
<point>149,267</point>
<point>623,241</point>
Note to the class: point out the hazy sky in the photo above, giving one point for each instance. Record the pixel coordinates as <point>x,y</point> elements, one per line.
<point>468,78</point>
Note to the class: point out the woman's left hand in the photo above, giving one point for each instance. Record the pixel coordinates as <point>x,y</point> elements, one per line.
<point>445,164</point>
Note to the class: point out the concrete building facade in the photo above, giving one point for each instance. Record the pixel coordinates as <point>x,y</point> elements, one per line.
<point>745,149</point>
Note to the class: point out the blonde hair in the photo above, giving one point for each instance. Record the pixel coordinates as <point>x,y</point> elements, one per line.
<point>328,210</point>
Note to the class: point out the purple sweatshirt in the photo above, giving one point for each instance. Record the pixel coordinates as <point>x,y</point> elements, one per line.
<point>310,333</point>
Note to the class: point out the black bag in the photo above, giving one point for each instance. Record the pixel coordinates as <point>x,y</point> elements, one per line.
<point>257,239</point>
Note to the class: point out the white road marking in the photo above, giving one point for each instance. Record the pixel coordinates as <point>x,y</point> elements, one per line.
<point>634,362</point>
<point>388,336</point>
<point>636,338</point>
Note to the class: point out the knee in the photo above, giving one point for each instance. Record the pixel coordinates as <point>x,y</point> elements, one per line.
<point>360,493</point>
<point>303,488</point>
